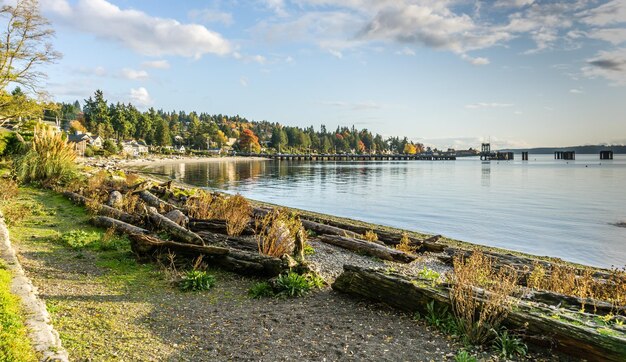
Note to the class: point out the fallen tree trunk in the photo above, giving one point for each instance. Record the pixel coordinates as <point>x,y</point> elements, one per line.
<point>579,339</point>
<point>368,248</point>
<point>151,200</point>
<point>235,242</point>
<point>241,262</point>
<point>216,226</point>
<point>117,225</point>
<point>322,229</point>
<point>178,232</point>
<point>102,210</point>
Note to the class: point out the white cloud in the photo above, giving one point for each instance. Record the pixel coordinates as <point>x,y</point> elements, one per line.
<point>137,30</point>
<point>614,36</point>
<point>98,71</point>
<point>278,6</point>
<point>576,91</point>
<point>610,65</point>
<point>406,51</point>
<point>140,97</point>
<point>475,61</point>
<point>133,74</point>
<point>209,16</point>
<point>250,58</point>
<point>243,81</point>
<point>612,12</point>
<point>483,105</point>
<point>156,64</point>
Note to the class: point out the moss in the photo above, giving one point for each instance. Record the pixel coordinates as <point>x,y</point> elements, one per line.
<point>14,342</point>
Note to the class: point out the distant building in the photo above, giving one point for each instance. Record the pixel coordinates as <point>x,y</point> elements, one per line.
<point>134,148</point>
<point>181,149</point>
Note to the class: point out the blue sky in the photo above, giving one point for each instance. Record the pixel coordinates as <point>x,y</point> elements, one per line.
<point>447,73</point>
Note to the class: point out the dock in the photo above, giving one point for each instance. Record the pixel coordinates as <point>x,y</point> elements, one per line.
<point>487,155</point>
<point>441,156</point>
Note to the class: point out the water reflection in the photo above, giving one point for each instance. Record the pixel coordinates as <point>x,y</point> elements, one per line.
<point>486,174</point>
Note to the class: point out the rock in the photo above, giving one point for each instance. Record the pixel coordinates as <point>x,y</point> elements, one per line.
<point>178,217</point>
<point>115,199</point>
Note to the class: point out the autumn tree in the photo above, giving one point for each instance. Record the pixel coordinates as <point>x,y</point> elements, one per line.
<point>24,46</point>
<point>249,142</point>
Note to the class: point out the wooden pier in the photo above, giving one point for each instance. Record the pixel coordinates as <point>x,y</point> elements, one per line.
<point>565,155</point>
<point>524,156</point>
<point>487,155</point>
<point>606,155</point>
<point>441,156</point>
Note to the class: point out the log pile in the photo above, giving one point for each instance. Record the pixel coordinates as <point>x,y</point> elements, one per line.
<point>538,319</point>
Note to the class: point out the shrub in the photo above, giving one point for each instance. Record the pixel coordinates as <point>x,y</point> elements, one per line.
<point>49,159</point>
<point>261,290</point>
<point>441,318</point>
<point>277,232</point>
<point>480,296</point>
<point>195,280</point>
<point>429,274</point>
<point>370,235</point>
<point>405,244</point>
<point>508,345</point>
<point>89,152</point>
<point>202,204</point>
<point>9,189</point>
<point>464,356</point>
<point>78,239</point>
<point>292,285</point>
<point>110,147</point>
<point>236,212</point>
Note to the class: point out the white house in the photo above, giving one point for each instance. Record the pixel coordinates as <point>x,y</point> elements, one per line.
<point>134,148</point>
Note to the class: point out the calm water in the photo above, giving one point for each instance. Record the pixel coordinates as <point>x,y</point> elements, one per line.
<point>542,207</point>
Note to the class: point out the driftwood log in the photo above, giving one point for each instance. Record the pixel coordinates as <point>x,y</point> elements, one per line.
<point>117,225</point>
<point>160,222</point>
<point>216,226</point>
<point>241,262</point>
<point>368,248</point>
<point>323,229</point>
<point>151,200</point>
<point>102,210</point>
<point>245,243</point>
<point>413,295</point>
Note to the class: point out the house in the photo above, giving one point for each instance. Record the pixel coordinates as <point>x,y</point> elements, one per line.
<point>181,149</point>
<point>134,148</point>
<point>79,141</point>
<point>96,141</point>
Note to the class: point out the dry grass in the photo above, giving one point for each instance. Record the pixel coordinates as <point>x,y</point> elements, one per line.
<point>405,244</point>
<point>235,210</point>
<point>580,283</point>
<point>9,189</point>
<point>130,203</point>
<point>480,296</point>
<point>49,159</point>
<point>370,235</point>
<point>132,179</point>
<point>277,232</point>
<point>202,205</point>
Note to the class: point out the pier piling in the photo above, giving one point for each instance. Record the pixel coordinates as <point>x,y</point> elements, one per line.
<point>606,155</point>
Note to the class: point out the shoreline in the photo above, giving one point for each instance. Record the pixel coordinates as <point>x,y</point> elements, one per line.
<point>450,242</point>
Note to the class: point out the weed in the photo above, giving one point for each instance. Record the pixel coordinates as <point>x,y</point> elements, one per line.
<point>109,241</point>
<point>261,290</point>
<point>9,189</point>
<point>49,159</point>
<point>480,296</point>
<point>508,345</point>
<point>464,356</point>
<point>202,204</point>
<point>277,232</point>
<point>78,239</point>
<point>370,235</point>
<point>405,244</point>
<point>429,274</point>
<point>441,318</point>
<point>236,212</point>
<point>292,285</point>
<point>308,249</point>
<point>195,280</point>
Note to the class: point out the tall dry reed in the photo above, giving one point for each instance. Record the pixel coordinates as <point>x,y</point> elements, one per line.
<point>49,159</point>
<point>480,296</point>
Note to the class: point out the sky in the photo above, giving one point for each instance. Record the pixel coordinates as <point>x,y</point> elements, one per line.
<point>448,73</point>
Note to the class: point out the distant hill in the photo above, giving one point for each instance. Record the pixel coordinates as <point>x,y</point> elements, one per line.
<point>594,149</point>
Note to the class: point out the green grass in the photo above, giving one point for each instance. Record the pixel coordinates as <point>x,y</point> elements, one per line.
<point>59,236</point>
<point>14,342</point>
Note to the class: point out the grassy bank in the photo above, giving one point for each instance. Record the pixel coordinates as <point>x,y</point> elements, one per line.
<point>14,342</point>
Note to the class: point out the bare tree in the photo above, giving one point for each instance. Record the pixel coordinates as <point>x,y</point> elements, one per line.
<point>24,45</point>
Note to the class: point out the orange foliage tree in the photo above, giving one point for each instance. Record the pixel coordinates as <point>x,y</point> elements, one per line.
<point>249,142</point>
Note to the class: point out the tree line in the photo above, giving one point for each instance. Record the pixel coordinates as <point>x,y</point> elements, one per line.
<point>202,131</point>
